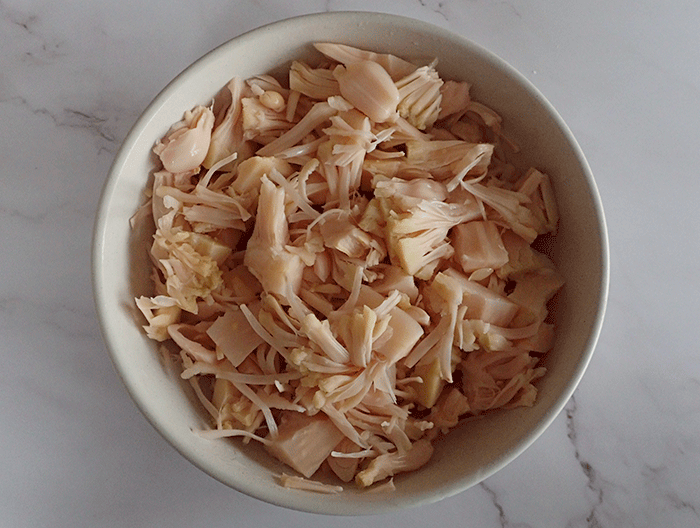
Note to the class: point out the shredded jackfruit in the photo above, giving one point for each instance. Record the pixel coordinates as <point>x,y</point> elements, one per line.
<point>344,262</point>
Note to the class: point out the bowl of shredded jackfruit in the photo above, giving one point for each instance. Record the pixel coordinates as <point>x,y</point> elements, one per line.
<point>350,254</point>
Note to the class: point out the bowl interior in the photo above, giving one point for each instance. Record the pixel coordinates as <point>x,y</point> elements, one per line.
<point>474,450</point>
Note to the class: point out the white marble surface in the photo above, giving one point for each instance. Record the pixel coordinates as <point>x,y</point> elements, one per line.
<point>74,76</point>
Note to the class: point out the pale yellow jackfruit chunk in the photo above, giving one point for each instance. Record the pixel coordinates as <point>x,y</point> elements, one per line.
<point>186,145</point>
<point>369,88</point>
<point>428,391</point>
<point>249,176</point>
<point>390,464</point>
<point>304,442</point>
<point>206,245</point>
<point>405,330</point>
<point>189,275</point>
<point>233,336</point>
<point>278,270</point>
<point>483,303</point>
<point>478,245</point>
<point>345,467</point>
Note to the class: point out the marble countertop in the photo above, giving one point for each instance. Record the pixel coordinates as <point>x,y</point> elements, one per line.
<point>74,450</point>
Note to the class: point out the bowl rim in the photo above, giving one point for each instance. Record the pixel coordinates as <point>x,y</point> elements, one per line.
<point>132,138</point>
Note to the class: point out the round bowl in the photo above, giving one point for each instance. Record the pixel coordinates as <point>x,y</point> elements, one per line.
<point>471,452</point>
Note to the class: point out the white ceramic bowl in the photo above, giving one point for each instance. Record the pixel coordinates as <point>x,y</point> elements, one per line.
<point>469,453</point>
